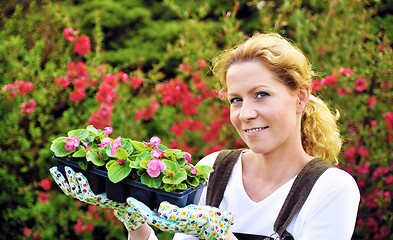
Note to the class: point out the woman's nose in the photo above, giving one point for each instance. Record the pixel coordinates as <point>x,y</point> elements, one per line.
<point>247,112</point>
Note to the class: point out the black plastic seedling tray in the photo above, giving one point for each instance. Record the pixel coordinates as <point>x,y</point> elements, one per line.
<point>119,192</point>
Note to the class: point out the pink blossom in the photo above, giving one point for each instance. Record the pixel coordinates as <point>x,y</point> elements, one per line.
<point>193,170</point>
<point>62,81</point>
<point>360,84</point>
<point>43,197</point>
<point>82,45</point>
<point>69,34</point>
<point>121,161</point>
<point>157,153</point>
<point>46,184</point>
<point>136,82</point>
<point>201,63</point>
<point>341,91</point>
<point>29,107</point>
<point>187,157</point>
<point>72,142</point>
<point>388,118</point>
<point>154,167</point>
<point>105,142</point>
<point>330,80</point>
<point>345,71</point>
<point>107,131</point>
<point>106,93</point>
<point>77,95</point>
<point>372,101</point>
<point>115,145</point>
<point>316,84</point>
<point>27,232</point>
<point>154,142</point>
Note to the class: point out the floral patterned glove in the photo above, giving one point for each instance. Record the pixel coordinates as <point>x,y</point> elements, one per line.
<point>78,187</point>
<point>204,222</point>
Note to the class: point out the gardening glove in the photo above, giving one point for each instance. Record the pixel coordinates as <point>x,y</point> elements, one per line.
<point>78,187</point>
<point>204,222</point>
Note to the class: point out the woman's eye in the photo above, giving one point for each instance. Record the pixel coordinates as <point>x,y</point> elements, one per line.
<point>235,100</point>
<point>262,94</point>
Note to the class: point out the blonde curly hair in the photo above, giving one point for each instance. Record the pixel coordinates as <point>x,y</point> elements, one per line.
<point>320,134</point>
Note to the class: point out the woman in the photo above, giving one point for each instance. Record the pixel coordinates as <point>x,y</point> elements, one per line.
<point>267,81</point>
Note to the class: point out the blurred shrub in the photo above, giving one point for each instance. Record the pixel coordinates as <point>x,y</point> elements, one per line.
<point>145,71</point>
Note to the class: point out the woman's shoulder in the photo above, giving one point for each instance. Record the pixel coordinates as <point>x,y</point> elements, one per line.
<point>335,180</point>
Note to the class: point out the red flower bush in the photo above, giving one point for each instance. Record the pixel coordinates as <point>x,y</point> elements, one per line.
<point>82,45</point>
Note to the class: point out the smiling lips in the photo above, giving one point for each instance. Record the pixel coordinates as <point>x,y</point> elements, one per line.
<point>255,129</point>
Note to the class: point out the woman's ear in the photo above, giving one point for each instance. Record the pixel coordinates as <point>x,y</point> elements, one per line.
<point>302,99</point>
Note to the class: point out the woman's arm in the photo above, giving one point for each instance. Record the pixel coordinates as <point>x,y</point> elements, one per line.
<point>144,232</point>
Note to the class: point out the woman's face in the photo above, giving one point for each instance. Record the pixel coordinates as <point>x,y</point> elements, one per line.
<point>263,110</point>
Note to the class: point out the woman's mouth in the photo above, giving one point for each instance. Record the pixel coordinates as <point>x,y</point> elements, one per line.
<point>252,130</point>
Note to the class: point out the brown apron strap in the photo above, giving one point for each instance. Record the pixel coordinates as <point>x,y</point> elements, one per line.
<point>218,179</point>
<point>298,194</point>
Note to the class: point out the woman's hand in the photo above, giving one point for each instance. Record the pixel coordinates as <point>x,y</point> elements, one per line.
<point>204,222</point>
<point>77,186</point>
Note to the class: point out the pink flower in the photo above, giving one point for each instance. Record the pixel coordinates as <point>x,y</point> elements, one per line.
<point>388,118</point>
<point>115,145</point>
<point>374,123</point>
<point>107,131</point>
<point>136,82</point>
<point>82,45</point>
<point>372,101</point>
<point>330,80</point>
<point>154,142</point>
<point>154,167</point>
<point>187,157</point>
<point>360,84</point>
<point>62,81</point>
<point>73,142</point>
<point>193,170</point>
<point>43,197</point>
<point>69,34</point>
<point>316,84</point>
<point>345,71</point>
<point>341,91</point>
<point>121,161</point>
<point>201,63</point>
<point>27,232</point>
<point>105,142</point>
<point>77,95</point>
<point>46,184</point>
<point>364,152</point>
<point>157,153</point>
<point>29,107</point>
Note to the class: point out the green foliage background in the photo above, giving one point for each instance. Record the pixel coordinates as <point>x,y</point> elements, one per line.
<point>150,39</point>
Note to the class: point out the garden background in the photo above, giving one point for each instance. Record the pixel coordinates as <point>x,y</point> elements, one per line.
<point>142,67</point>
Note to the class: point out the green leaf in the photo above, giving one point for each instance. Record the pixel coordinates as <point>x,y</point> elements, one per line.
<point>94,158</point>
<point>92,129</point>
<point>143,162</point>
<point>182,186</point>
<point>171,165</point>
<point>139,146</point>
<point>203,170</point>
<point>118,172</point>
<point>109,164</point>
<point>59,139</point>
<point>193,181</point>
<point>177,177</point>
<point>83,164</point>
<point>169,187</point>
<point>151,182</point>
<point>59,150</point>
<point>80,153</point>
<point>126,145</point>
<point>121,153</point>
<point>103,155</point>
<point>82,134</point>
